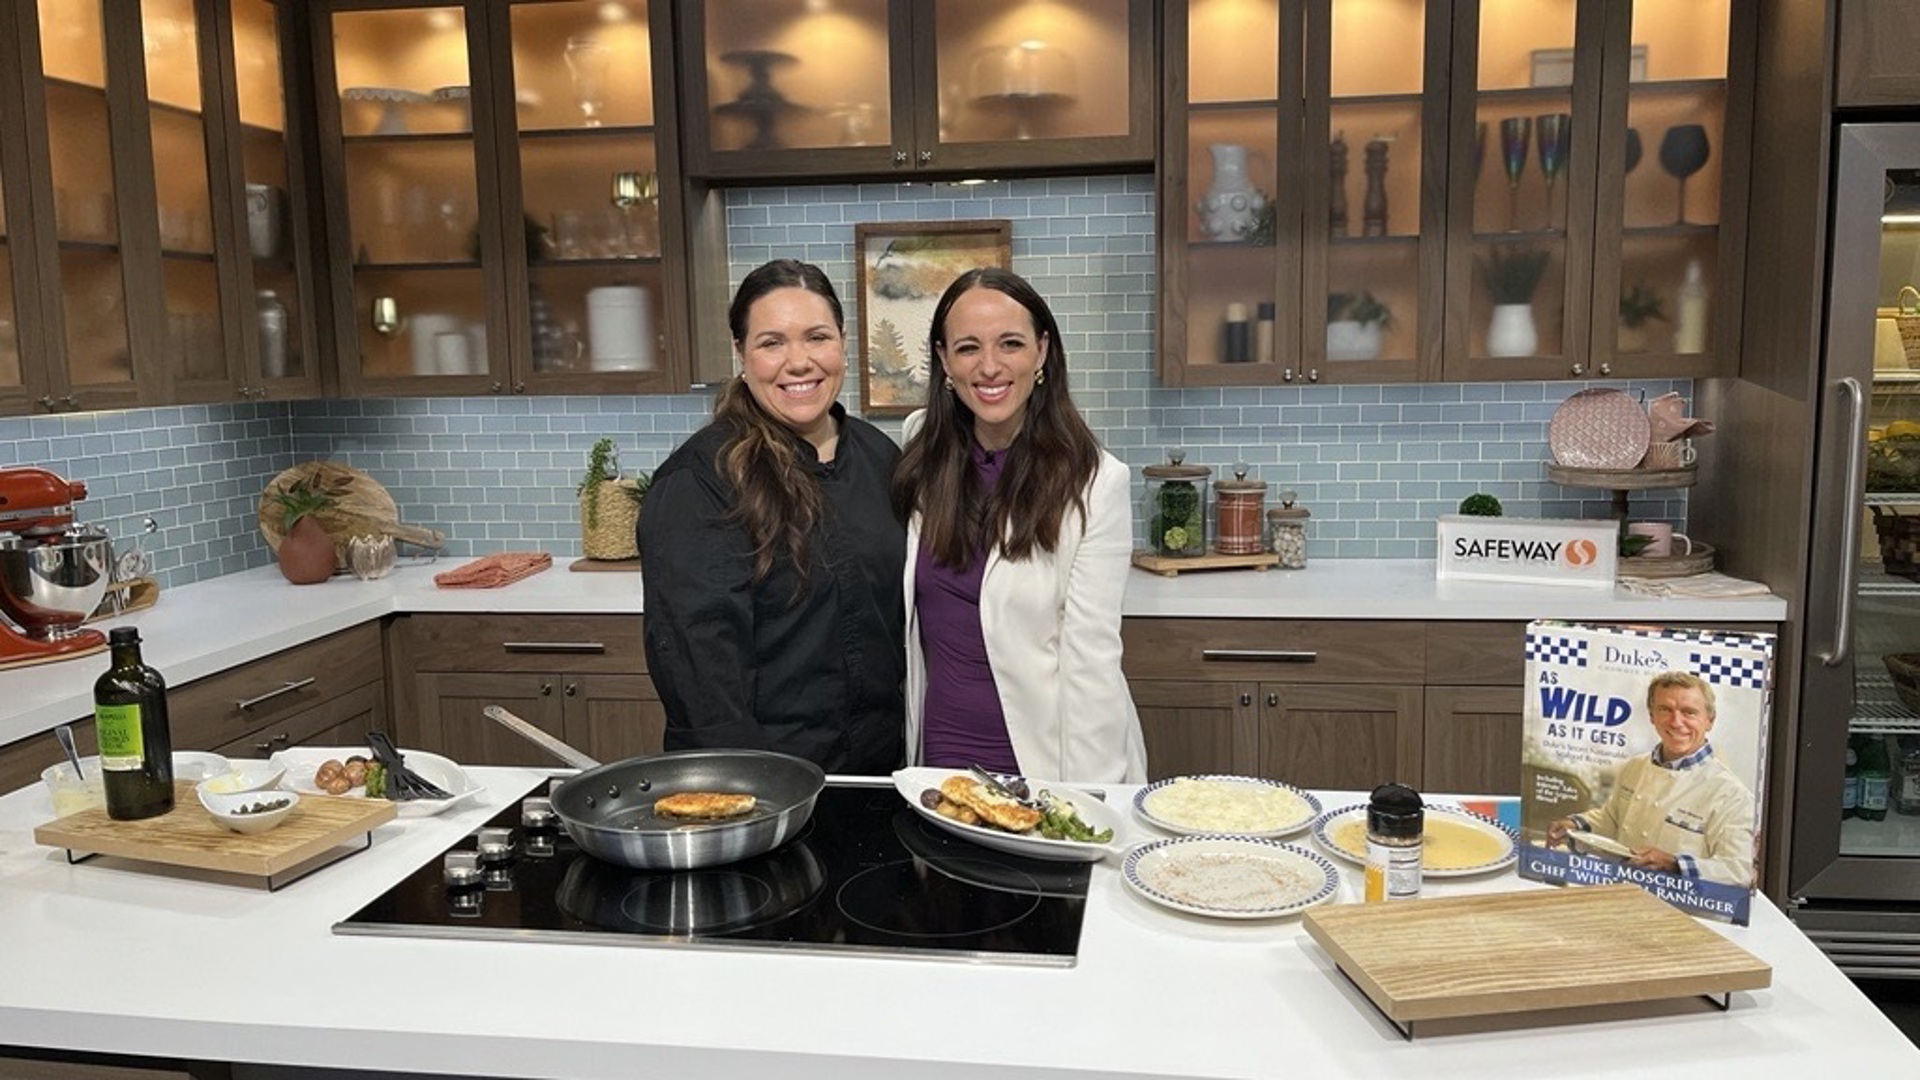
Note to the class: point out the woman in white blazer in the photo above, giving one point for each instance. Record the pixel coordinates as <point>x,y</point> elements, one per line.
<point>1020,531</point>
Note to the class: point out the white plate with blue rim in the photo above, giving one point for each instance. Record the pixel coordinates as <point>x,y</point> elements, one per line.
<point>1231,877</point>
<point>1457,841</point>
<point>913,783</point>
<point>1216,805</point>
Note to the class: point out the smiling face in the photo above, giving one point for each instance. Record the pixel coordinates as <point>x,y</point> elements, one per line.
<point>1683,717</point>
<point>993,355</point>
<point>794,359</point>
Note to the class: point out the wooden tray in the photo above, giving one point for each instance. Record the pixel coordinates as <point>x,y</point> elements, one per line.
<point>1697,561</point>
<point>1171,566</point>
<point>587,566</point>
<point>1528,951</point>
<point>188,836</point>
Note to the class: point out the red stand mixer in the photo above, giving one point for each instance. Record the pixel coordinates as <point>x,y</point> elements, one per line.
<point>52,572</point>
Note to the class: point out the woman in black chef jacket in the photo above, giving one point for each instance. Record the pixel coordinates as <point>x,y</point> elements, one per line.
<point>772,558</point>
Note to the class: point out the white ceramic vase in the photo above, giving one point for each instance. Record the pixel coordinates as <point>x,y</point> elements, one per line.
<point>1230,210</point>
<point>1512,332</point>
<point>1349,340</point>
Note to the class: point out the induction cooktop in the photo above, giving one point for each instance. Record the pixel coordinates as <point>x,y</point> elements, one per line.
<point>865,876</point>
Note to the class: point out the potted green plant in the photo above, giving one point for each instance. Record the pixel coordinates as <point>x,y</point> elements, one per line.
<point>1355,322</point>
<point>1481,504</point>
<point>610,505</point>
<point>307,555</point>
<point>1639,306</point>
<point>1512,273</point>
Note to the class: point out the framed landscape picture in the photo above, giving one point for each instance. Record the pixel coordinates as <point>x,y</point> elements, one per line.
<point>903,267</point>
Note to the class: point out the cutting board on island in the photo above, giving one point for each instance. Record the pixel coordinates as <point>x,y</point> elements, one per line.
<point>1528,951</point>
<point>188,836</point>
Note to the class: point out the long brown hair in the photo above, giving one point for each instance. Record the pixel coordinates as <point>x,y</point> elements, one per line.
<point>1053,457</point>
<point>779,499</point>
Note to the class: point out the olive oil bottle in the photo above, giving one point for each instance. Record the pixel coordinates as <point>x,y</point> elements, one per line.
<point>136,745</point>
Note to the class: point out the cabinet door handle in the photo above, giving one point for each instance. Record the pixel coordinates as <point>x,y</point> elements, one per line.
<point>554,646</point>
<point>571,690</point>
<point>47,403</point>
<point>1286,374</point>
<point>1273,701</point>
<point>266,748</point>
<point>1246,700</point>
<point>285,688</point>
<point>546,689</point>
<point>1313,375</point>
<point>1606,369</point>
<point>899,157</point>
<point>519,388</point>
<point>1283,656</point>
<point>1849,550</point>
<point>1577,370</point>
<point>926,157</point>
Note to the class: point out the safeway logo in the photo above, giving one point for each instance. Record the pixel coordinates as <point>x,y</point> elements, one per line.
<point>1582,552</point>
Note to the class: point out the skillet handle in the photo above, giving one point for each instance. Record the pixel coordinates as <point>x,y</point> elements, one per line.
<point>539,738</point>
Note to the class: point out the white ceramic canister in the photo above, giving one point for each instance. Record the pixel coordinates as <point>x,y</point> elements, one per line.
<point>620,328</point>
<point>422,330</point>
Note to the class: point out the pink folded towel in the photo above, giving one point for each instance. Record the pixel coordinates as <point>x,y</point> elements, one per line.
<point>493,571</point>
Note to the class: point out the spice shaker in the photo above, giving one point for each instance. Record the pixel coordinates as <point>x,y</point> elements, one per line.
<point>1176,508</point>
<point>1287,532</point>
<point>1237,506</point>
<point>1396,819</point>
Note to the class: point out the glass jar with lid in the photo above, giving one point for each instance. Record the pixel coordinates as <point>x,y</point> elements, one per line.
<point>1237,509</point>
<point>1176,509</point>
<point>1287,532</point>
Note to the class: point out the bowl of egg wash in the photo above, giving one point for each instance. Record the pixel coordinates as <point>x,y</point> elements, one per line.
<point>1454,842</point>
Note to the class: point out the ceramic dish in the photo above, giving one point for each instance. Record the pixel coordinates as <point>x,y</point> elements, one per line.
<point>910,783</point>
<point>245,778</point>
<point>1241,806</point>
<point>300,762</point>
<point>1587,843</point>
<point>1231,877</point>
<point>1343,833</point>
<point>248,811</point>
<point>1599,429</point>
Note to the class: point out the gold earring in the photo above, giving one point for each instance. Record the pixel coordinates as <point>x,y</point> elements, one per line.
<point>1040,379</point>
<point>949,381</point>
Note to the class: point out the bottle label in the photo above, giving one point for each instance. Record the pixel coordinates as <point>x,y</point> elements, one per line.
<point>1393,872</point>
<point>122,742</point>
<point>1873,793</point>
<point>1850,793</point>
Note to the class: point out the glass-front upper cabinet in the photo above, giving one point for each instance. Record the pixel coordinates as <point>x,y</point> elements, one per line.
<point>1300,244</point>
<point>398,119</point>
<point>17,383</point>
<point>871,87</point>
<point>585,168</point>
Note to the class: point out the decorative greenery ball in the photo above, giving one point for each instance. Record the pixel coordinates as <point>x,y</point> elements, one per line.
<point>1481,505</point>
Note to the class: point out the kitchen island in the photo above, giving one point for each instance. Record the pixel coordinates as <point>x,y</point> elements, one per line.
<point>210,626</point>
<point>111,958</point>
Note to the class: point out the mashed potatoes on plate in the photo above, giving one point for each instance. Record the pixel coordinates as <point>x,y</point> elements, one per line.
<point>1227,806</point>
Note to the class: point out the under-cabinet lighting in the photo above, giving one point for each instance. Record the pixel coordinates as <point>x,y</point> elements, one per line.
<point>1900,219</point>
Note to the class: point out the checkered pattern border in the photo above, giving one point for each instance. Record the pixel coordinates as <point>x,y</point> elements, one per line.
<point>1723,669</point>
<point>1554,649</point>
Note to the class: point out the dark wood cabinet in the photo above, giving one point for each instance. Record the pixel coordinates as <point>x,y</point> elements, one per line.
<point>1879,55</point>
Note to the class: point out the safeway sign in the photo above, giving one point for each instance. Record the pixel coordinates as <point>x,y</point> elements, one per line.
<point>1538,551</point>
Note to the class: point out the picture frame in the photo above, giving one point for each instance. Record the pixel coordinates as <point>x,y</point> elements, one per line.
<point>901,270</point>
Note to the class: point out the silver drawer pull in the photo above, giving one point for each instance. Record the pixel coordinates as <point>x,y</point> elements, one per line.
<point>554,646</point>
<point>285,688</point>
<point>1283,656</point>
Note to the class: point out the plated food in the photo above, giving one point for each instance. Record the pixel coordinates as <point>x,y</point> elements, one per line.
<point>1070,824</point>
<point>1228,805</point>
<point>1455,842</point>
<point>1231,877</point>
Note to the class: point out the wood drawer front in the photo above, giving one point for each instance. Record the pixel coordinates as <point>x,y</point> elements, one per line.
<point>1275,650</point>
<point>220,709</point>
<point>1476,653</point>
<point>342,721</point>
<point>574,644</point>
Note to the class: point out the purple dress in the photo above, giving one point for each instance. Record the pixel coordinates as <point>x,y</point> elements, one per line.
<point>964,724</point>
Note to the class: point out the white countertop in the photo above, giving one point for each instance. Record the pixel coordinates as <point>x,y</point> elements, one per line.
<point>115,958</point>
<point>210,626</point>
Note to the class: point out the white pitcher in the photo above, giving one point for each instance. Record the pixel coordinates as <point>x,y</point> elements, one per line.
<point>1230,210</point>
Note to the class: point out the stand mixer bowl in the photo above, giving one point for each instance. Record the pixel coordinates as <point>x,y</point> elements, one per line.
<point>48,587</point>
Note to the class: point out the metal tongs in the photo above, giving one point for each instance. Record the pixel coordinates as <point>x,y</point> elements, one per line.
<point>1021,794</point>
<point>403,784</point>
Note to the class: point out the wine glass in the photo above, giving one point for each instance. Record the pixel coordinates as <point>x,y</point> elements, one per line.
<point>1516,132</point>
<point>1556,138</point>
<point>587,62</point>
<point>631,189</point>
<point>1684,151</point>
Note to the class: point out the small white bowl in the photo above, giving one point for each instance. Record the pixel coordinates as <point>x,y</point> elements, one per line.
<point>244,778</point>
<point>232,810</point>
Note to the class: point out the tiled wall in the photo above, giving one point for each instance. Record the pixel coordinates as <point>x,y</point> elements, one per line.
<point>1374,464</point>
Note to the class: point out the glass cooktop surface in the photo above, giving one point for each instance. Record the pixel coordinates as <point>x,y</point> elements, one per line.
<point>866,875</point>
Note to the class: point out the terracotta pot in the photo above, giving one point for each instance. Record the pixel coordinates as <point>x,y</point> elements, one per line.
<point>306,553</point>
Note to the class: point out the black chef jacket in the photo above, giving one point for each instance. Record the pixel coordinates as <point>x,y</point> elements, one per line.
<point>744,664</point>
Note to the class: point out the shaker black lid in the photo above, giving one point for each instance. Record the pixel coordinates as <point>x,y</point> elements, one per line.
<point>1395,810</point>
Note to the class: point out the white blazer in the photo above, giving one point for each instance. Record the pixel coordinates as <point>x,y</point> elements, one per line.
<point>1052,629</point>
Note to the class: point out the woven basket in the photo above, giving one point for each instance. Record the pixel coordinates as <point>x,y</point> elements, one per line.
<point>1905,669</point>
<point>612,532</point>
<point>1907,317</point>
<point>1899,542</point>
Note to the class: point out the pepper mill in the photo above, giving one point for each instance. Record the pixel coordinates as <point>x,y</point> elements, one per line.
<point>1374,208</point>
<point>1337,202</point>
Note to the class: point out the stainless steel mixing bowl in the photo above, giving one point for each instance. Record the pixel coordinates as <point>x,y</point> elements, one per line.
<point>47,587</point>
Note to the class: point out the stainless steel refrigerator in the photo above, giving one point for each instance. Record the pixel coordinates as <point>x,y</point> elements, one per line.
<point>1853,874</point>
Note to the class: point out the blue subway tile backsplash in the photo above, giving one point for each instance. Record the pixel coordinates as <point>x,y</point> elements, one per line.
<point>1374,464</point>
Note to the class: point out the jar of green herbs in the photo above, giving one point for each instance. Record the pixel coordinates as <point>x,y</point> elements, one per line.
<point>1176,510</point>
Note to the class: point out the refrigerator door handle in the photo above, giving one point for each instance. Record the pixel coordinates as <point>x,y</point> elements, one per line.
<point>1856,429</point>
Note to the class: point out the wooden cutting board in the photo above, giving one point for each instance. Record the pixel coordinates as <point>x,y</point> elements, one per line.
<point>361,506</point>
<point>1526,951</point>
<point>188,836</point>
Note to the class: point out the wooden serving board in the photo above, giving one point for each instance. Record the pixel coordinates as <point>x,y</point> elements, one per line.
<point>188,836</point>
<point>1527,951</point>
<point>1171,566</point>
<point>587,566</point>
